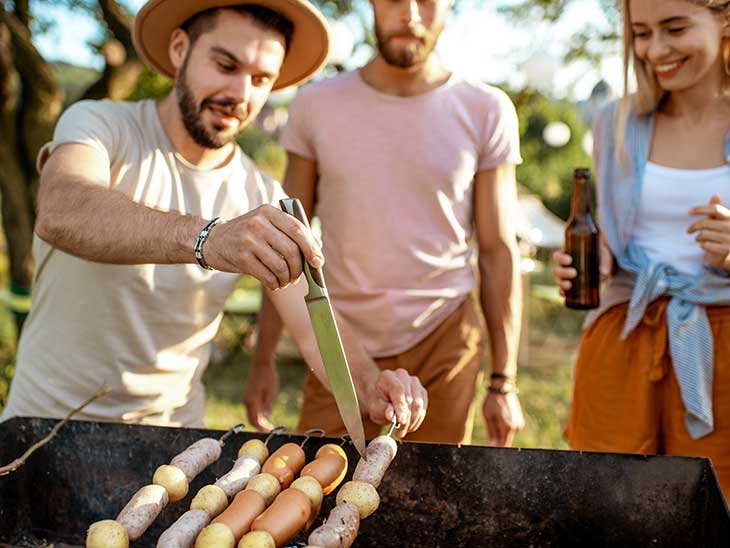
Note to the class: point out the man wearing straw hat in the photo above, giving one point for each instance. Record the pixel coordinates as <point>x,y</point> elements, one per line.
<point>149,211</point>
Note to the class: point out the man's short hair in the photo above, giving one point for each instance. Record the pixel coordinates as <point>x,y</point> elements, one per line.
<point>206,21</point>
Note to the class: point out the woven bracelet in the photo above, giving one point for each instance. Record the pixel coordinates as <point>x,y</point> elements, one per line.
<point>503,391</point>
<point>501,376</point>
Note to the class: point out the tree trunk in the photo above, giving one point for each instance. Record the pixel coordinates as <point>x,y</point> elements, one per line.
<point>30,104</point>
<point>123,67</point>
<point>116,82</point>
<point>17,206</point>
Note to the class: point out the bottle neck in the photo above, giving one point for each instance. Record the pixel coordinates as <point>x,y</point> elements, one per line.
<point>581,204</point>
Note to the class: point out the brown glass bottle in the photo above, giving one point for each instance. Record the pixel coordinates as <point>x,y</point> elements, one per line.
<point>582,244</point>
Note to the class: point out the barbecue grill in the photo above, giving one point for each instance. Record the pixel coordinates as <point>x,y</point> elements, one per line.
<point>433,496</point>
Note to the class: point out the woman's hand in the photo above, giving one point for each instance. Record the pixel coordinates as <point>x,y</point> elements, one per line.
<point>713,232</point>
<point>564,273</point>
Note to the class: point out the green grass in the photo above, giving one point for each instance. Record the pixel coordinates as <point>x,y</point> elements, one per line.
<point>225,379</point>
<point>7,341</point>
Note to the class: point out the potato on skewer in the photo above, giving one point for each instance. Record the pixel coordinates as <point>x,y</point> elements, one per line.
<point>359,498</point>
<point>170,483</point>
<point>214,499</point>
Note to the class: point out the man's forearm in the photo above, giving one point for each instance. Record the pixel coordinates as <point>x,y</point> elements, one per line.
<point>501,301</point>
<point>102,225</point>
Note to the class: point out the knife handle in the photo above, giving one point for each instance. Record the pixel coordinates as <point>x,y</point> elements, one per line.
<point>293,207</point>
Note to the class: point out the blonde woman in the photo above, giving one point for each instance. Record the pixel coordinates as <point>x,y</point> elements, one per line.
<point>653,371</point>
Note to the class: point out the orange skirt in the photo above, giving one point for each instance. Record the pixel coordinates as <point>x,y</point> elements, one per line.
<point>448,363</point>
<point>626,398</point>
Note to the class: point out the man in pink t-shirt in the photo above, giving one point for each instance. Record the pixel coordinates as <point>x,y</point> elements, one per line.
<point>411,172</point>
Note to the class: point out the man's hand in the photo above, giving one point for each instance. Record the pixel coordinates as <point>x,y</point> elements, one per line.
<point>265,243</point>
<point>503,416</point>
<point>381,393</point>
<point>400,393</point>
<point>713,232</point>
<point>259,395</point>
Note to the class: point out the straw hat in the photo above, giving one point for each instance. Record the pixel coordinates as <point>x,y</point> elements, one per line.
<point>308,47</point>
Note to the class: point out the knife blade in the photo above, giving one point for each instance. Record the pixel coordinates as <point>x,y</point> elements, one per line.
<point>329,341</point>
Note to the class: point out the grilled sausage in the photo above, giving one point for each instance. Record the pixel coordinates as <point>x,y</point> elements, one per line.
<point>236,479</point>
<point>340,529</point>
<point>285,463</point>
<point>330,448</point>
<point>288,515</point>
<point>197,457</point>
<point>184,531</point>
<point>380,453</point>
<point>142,510</point>
<point>329,470</point>
<point>241,513</point>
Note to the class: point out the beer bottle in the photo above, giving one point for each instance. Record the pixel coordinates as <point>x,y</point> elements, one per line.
<point>582,244</point>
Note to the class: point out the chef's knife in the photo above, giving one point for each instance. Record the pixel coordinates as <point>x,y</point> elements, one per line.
<point>329,341</point>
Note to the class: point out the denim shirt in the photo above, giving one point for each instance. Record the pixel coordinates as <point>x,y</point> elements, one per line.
<point>690,336</point>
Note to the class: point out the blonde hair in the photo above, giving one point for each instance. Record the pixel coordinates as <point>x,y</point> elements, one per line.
<point>649,94</point>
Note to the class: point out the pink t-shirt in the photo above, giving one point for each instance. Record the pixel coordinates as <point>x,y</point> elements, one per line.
<point>395,196</point>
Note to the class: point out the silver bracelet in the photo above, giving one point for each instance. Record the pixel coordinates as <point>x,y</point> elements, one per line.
<point>201,240</point>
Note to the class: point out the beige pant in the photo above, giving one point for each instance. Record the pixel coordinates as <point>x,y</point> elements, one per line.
<point>448,364</point>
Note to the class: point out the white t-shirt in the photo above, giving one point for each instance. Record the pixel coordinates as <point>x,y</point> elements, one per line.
<point>144,330</point>
<point>666,197</point>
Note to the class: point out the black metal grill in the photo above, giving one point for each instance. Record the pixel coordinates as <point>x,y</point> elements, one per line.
<point>433,495</point>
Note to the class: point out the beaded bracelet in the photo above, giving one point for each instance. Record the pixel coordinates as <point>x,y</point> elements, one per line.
<point>502,390</point>
<point>201,240</point>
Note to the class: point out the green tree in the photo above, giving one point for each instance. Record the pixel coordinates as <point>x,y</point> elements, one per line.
<point>31,99</point>
<point>589,42</point>
<point>548,171</point>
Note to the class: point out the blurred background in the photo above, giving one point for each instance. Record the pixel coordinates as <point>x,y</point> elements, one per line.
<point>559,60</point>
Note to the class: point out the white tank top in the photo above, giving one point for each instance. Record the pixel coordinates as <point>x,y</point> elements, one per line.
<point>666,198</point>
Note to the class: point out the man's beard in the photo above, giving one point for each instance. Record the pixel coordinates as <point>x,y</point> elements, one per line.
<point>405,57</point>
<point>192,117</point>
